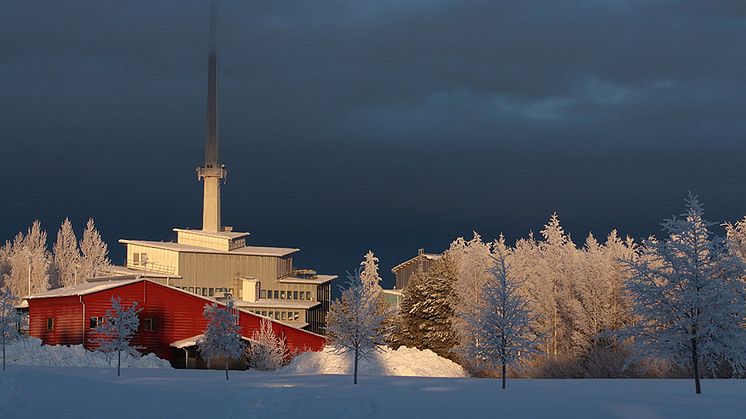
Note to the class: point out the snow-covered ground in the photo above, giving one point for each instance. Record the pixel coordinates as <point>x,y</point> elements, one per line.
<point>67,392</point>
<point>30,351</point>
<point>402,362</point>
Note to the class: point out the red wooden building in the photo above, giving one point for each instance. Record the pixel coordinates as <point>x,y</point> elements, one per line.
<point>170,321</point>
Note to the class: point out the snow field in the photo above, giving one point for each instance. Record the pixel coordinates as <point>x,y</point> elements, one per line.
<point>401,362</point>
<point>30,351</point>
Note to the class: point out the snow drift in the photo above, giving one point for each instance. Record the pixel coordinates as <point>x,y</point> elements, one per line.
<point>402,362</point>
<point>30,351</point>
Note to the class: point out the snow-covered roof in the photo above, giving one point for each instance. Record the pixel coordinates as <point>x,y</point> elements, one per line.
<point>123,270</point>
<point>187,248</point>
<point>192,341</point>
<point>95,285</point>
<point>316,280</point>
<point>428,256</point>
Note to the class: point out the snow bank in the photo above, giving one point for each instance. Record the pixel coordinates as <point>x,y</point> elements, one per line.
<point>30,351</point>
<point>402,362</point>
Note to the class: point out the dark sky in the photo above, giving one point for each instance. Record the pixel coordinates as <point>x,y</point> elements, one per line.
<point>389,125</point>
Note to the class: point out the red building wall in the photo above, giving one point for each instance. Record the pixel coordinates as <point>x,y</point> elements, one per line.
<point>177,315</point>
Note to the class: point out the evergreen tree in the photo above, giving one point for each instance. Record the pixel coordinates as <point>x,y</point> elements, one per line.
<point>8,320</point>
<point>503,324</point>
<point>66,256</point>
<point>689,296</point>
<point>425,318</point>
<point>356,321</point>
<point>94,253</point>
<point>222,338</point>
<point>117,330</point>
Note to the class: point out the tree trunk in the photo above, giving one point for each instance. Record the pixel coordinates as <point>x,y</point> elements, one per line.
<point>119,361</point>
<point>3,355</point>
<point>695,363</point>
<point>226,368</point>
<point>504,375</point>
<point>354,381</point>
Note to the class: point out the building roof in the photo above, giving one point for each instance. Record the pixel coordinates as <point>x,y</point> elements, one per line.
<point>272,303</point>
<point>429,256</point>
<point>187,248</point>
<point>96,285</point>
<point>316,280</point>
<point>123,270</point>
<point>232,235</point>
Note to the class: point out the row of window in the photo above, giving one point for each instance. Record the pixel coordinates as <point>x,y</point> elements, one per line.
<point>148,324</point>
<point>205,291</point>
<point>291,316</point>
<point>289,295</point>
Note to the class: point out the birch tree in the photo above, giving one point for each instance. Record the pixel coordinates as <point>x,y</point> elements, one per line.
<point>94,253</point>
<point>690,297</point>
<point>29,262</point>
<point>266,351</point>
<point>66,255</point>
<point>356,321</point>
<point>504,323</point>
<point>222,337</point>
<point>8,320</point>
<point>117,329</point>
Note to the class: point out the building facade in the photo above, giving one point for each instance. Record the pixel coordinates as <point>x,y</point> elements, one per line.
<point>171,319</point>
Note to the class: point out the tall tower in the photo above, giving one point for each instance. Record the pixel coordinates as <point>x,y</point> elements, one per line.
<point>212,173</point>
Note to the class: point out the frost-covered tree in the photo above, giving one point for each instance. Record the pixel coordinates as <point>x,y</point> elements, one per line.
<point>736,236</point>
<point>473,262</point>
<point>503,326</point>
<point>689,296</point>
<point>425,318</point>
<point>29,262</point>
<point>5,262</point>
<point>355,322</point>
<point>369,271</point>
<point>222,337</point>
<point>8,320</point>
<point>94,253</point>
<point>117,329</point>
<point>266,351</point>
<point>65,255</point>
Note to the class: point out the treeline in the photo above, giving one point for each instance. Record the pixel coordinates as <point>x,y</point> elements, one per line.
<point>611,308</point>
<point>28,265</point>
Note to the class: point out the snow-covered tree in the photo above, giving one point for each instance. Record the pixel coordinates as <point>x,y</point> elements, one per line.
<point>266,351</point>
<point>369,271</point>
<point>5,263</point>
<point>29,262</point>
<point>222,337</point>
<point>117,329</point>
<point>473,262</point>
<point>736,236</point>
<point>94,253</point>
<point>689,296</point>
<point>425,318</point>
<point>66,256</point>
<point>8,320</point>
<point>503,326</point>
<point>355,322</point>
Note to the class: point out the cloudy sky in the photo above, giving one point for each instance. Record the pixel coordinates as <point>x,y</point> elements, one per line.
<point>390,125</point>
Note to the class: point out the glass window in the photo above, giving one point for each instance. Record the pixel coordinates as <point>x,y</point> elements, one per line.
<point>211,292</point>
<point>198,290</point>
<point>136,258</point>
<point>295,295</point>
<point>277,294</point>
<point>282,295</point>
<point>264,293</point>
<point>191,289</point>
<point>282,315</point>
<point>296,316</point>
<point>264,313</point>
<point>94,323</point>
<point>50,324</point>
<point>308,295</point>
<point>148,324</point>
<point>204,292</point>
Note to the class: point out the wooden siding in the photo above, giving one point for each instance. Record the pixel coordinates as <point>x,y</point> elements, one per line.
<point>220,270</point>
<point>405,272</point>
<point>177,315</point>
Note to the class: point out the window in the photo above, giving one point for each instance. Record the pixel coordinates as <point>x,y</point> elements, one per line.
<point>143,258</point>
<point>230,290</point>
<point>264,313</point>
<point>95,322</point>
<point>136,258</point>
<point>277,294</point>
<point>282,295</point>
<point>211,292</point>
<point>148,324</point>
<point>191,289</point>
<point>295,295</point>
<point>282,315</point>
<point>308,295</point>
<point>264,293</point>
<point>296,316</point>
<point>50,324</point>
<point>204,292</point>
<point>198,290</point>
